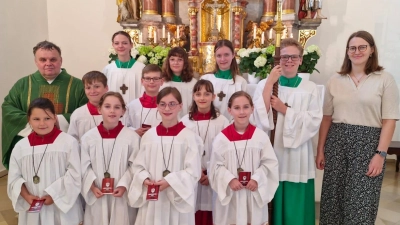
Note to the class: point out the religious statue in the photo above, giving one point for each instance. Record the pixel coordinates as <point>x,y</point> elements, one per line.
<point>308,9</point>
<point>128,10</point>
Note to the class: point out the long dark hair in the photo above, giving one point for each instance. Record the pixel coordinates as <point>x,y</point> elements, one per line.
<point>372,63</point>
<point>209,88</point>
<point>187,72</point>
<point>234,66</point>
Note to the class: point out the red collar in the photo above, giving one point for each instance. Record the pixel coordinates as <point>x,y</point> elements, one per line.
<point>201,116</point>
<point>148,101</point>
<point>233,135</point>
<point>49,138</point>
<point>113,133</point>
<point>92,109</point>
<point>170,131</point>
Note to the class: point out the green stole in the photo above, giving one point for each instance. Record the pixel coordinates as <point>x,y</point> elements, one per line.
<point>290,82</point>
<point>226,74</point>
<point>66,92</point>
<point>176,78</point>
<point>125,65</point>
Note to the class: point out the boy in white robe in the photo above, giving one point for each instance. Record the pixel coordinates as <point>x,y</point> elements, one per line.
<point>45,166</point>
<point>142,112</point>
<point>87,116</point>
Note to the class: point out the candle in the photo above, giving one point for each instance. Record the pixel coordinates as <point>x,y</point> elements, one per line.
<point>155,36</point>
<point>140,37</point>
<point>254,32</point>
<point>262,38</point>
<point>169,38</point>
<point>163,31</point>
<point>270,34</point>
<point>177,31</point>
<point>291,35</point>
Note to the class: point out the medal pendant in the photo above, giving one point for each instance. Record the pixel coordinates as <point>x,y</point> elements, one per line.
<point>106,175</point>
<point>239,170</point>
<point>165,173</point>
<point>36,179</point>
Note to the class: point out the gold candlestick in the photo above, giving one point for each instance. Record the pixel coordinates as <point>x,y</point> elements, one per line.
<point>151,42</point>
<point>164,41</point>
<point>270,41</point>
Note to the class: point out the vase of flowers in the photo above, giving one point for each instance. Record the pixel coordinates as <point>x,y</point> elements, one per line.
<point>251,77</point>
<point>311,56</point>
<point>256,60</point>
<point>145,54</point>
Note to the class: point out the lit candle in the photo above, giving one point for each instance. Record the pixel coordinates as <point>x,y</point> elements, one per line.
<point>177,31</point>
<point>270,34</point>
<point>155,36</point>
<point>140,37</point>
<point>262,38</point>
<point>169,38</point>
<point>254,32</point>
<point>163,31</point>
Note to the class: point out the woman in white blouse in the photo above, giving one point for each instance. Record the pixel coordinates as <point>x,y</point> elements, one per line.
<point>360,111</point>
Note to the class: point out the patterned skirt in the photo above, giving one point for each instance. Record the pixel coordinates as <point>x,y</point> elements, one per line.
<point>349,196</point>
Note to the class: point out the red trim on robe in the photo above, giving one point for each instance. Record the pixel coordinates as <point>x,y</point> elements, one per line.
<point>201,116</point>
<point>148,101</point>
<point>170,131</point>
<point>49,138</point>
<point>113,133</point>
<point>233,135</point>
<point>93,109</point>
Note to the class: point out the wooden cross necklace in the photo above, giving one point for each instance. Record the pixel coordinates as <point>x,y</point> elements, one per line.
<point>124,88</point>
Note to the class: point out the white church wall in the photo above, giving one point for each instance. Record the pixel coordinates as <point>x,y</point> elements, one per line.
<point>22,25</point>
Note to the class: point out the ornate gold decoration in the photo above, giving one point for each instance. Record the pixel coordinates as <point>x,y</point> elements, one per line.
<point>150,12</point>
<point>207,21</point>
<point>134,33</point>
<point>279,26</point>
<point>207,59</point>
<point>288,11</point>
<point>194,60</point>
<point>168,14</point>
<point>305,35</point>
<point>193,11</point>
<point>269,14</point>
<point>237,10</point>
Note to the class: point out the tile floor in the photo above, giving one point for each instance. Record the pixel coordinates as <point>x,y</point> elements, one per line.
<point>388,214</point>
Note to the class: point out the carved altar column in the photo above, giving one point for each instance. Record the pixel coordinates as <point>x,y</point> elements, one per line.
<point>269,10</point>
<point>150,11</point>
<point>168,11</point>
<point>288,7</point>
<point>237,36</point>
<point>193,10</point>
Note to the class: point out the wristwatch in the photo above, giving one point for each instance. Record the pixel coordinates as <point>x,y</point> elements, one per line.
<point>381,153</point>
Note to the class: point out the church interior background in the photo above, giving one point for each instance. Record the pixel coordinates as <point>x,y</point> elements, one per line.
<point>83,30</point>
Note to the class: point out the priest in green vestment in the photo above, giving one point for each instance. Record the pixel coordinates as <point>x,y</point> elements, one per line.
<point>49,81</point>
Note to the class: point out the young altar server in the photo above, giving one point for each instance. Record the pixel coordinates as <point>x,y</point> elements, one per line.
<point>142,112</point>
<point>226,78</point>
<point>205,120</point>
<point>124,73</point>
<point>178,72</point>
<point>87,116</point>
<point>299,110</point>
<point>105,153</point>
<point>168,160</point>
<point>243,168</point>
<point>45,166</point>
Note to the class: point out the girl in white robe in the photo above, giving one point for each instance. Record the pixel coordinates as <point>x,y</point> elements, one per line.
<point>106,151</point>
<point>45,166</point>
<point>178,73</point>
<point>241,147</point>
<point>225,79</point>
<point>87,116</point>
<point>124,74</point>
<point>205,121</point>
<point>169,157</point>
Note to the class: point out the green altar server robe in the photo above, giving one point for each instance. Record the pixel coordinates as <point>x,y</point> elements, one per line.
<point>65,91</point>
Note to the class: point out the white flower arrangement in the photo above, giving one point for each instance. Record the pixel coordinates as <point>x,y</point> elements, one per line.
<point>311,56</point>
<point>258,60</point>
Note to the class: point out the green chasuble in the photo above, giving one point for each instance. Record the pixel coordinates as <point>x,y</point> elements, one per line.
<point>66,92</point>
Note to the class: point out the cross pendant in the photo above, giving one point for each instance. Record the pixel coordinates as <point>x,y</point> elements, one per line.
<point>123,88</point>
<point>221,95</point>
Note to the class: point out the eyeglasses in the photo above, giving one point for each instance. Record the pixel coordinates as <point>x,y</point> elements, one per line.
<point>287,57</point>
<point>361,48</point>
<point>171,105</point>
<point>148,79</point>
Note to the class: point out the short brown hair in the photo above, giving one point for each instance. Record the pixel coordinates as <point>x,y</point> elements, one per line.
<point>169,90</point>
<point>151,68</point>
<point>292,42</point>
<point>240,94</point>
<point>372,63</point>
<point>91,76</point>
<point>115,94</point>
<point>46,45</point>
<point>187,72</point>
<point>234,66</point>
